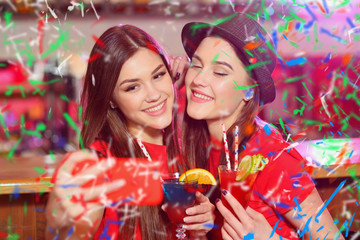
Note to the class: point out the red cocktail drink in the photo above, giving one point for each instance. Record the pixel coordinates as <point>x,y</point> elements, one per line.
<point>241,190</point>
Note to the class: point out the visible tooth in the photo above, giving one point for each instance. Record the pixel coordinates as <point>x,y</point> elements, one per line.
<point>155,108</point>
<point>198,95</point>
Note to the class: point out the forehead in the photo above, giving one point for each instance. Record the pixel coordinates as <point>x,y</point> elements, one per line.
<point>144,61</point>
<point>216,45</point>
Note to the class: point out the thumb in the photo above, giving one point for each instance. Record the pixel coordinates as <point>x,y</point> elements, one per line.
<point>201,198</point>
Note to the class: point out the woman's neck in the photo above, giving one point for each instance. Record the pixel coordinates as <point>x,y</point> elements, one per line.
<point>149,135</point>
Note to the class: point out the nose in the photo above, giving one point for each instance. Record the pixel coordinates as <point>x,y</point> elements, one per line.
<point>201,79</point>
<point>153,94</point>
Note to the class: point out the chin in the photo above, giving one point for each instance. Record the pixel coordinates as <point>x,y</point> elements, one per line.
<point>161,124</point>
<point>195,114</point>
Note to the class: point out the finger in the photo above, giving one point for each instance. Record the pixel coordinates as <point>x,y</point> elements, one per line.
<point>230,231</point>
<point>78,156</point>
<point>164,207</point>
<point>90,193</point>
<point>197,227</point>
<point>177,61</point>
<point>225,235</point>
<point>200,218</point>
<point>92,172</point>
<point>229,217</point>
<point>200,209</point>
<point>236,206</point>
<point>201,198</point>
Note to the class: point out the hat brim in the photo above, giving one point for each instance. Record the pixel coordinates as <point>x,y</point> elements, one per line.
<point>194,32</point>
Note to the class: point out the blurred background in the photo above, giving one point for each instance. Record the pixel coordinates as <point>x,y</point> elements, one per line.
<point>45,48</point>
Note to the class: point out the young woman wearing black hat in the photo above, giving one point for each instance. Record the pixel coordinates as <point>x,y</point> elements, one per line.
<point>228,79</point>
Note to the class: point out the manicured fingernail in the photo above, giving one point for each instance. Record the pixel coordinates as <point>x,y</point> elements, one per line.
<point>217,200</point>
<point>185,219</point>
<point>177,76</point>
<point>189,211</point>
<point>224,192</point>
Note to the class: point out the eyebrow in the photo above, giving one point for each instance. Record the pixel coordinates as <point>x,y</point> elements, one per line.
<point>136,79</point>
<point>216,62</point>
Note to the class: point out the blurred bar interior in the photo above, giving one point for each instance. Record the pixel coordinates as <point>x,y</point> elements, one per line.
<point>46,45</point>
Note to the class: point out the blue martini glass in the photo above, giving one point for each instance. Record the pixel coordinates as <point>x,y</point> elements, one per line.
<point>179,196</point>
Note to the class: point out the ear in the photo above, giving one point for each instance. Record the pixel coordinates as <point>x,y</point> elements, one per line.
<point>112,105</point>
<point>249,94</point>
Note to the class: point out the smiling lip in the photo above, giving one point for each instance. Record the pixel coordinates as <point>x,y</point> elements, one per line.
<point>156,110</point>
<point>199,97</point>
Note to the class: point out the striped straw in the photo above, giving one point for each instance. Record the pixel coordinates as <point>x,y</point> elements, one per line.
<point>226,147</point>
<point>236,147</point>
<point>143,149</point>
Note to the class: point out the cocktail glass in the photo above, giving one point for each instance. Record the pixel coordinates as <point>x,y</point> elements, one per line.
<point>179,196</point>
<point>241,190</point>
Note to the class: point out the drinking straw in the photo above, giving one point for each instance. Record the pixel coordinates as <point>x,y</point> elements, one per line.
<point>143,149</point>
<point>236,147</point>
<point>226,148</point>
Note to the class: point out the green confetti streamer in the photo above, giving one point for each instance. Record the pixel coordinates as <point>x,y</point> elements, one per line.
<point>25,208</point>
<point>52,156</point>
<point>225,53</point>
<point>294,79</point>
<point>285,94</point>
<point>307,90</point>
<point>12,150</point>
<point>64,36</point>
<point>245,87</point>
<point>65,98</point>
<point>80,111</point>
<point>248,52</point>
<point>255,65</point>
<point>40,170</point>
<point>315,33</point>
<point>297,17</point>
<point>296,111</point>
<point>294,44</point>
<point>215,58</point>
<point>8,18</point>
<point>73,125</point>
<point>6,130</point>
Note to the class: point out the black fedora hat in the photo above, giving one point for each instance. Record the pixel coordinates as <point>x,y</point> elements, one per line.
<point>239,30</point>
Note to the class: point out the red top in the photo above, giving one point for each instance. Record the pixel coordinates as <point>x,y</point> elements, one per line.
<point>278,184</point>
<point>110,223</point>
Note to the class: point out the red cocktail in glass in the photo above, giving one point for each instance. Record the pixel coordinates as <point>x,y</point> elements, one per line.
<point>241,190</point>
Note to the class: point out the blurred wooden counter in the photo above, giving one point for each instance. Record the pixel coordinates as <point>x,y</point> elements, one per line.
<point>25,183</point>
<point>24,187</point>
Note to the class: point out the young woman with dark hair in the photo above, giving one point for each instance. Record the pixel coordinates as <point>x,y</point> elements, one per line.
<point>228,79</point>
<point>128,96</point>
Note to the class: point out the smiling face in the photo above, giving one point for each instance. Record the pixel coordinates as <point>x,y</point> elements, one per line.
<point>144,92</point>
<point>210,82</point>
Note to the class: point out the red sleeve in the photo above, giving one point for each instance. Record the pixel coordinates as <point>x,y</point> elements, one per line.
<point>282,181</point>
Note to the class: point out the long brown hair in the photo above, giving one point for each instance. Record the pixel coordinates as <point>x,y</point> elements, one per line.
<point>113,48</point>
<point>196,139</point>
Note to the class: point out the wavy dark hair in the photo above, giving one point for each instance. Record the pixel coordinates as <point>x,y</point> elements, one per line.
<point>113,48</point>
<point>196,139</point>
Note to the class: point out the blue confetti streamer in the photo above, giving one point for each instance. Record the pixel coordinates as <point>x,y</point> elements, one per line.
<point>70,231</point>
<point>331,124</point>
<point>267,129</point>
<point>327,58</point>
<point>211,225</point>
<point>297,204</point>
<point>329,200</point>
<point>323,30</point>
<point>274,229</point>
<point>16,192</point>
<point>249,236</point>
<point>296,61</point>
<point>320,228</point>
<point>325,6</point>
<point>350,22</point>
<point>274,38</point>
